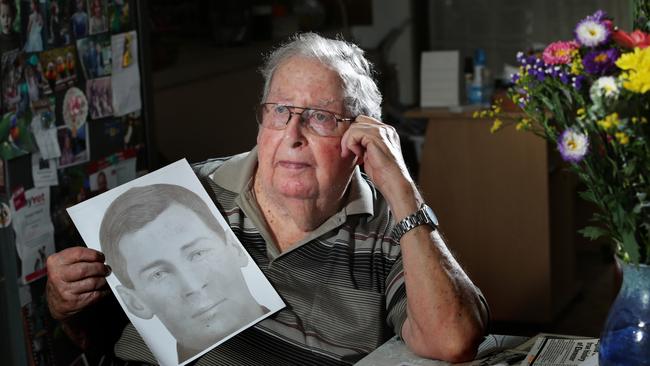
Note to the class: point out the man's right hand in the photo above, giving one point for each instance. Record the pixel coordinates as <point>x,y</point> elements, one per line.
<point>76,279</point>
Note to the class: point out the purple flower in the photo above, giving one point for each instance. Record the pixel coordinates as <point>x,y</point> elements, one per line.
<point>594,30</point>
<point>578,81</point>
<point>515,77</point>
<point>601,62</point>
<point>573,145</point>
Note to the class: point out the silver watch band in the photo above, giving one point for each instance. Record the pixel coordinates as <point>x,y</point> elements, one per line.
<point>419,217</point>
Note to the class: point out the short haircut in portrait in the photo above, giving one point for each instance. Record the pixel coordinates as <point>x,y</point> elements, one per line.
<point>181,275</point>
<point>137,207</point>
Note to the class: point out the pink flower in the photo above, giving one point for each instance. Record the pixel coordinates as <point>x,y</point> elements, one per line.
<point>558,53</point>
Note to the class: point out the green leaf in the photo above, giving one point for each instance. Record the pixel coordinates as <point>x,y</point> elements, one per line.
<point>630,246</point>
<point>593,232</point>
<point>588,195</point>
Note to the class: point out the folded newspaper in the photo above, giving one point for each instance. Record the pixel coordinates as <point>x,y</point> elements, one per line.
<point>560,350</point>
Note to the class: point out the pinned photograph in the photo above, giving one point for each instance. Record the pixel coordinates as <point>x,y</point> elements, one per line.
<point>75,108</point>
<point>118,12</point>
<point>9,24</point>
<point>12,65</point>
<point>103,180</point>
<point>100,99</point>
<point>37,85</point>
<point>34,25</point>
<point>79,19</point>
<point>181,275</point>
<point>73,146</point>
<point>98,16</point>
<point>15,137</point>
<point>59,33</point>
<point>95,55</point>
<point>59,67</point>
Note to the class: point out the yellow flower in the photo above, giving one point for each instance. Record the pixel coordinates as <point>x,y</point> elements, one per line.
<point>475,114</point>
<point>523,124</point>
<point>637,65</point>
<point>496,125</point>
<point>576,65</point>
<point>609,122</point>
<point>622,138</point>
<point>581,112</point>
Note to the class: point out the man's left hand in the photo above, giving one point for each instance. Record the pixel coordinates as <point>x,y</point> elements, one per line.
<point>377,147</point>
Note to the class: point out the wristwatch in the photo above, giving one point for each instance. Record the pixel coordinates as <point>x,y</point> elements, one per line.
<point>423,216</point>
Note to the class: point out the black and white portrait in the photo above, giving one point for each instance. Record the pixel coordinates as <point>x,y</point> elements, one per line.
<point>176,263</point>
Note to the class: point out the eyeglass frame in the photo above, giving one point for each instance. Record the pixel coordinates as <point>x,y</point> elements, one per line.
<point>260,108</point>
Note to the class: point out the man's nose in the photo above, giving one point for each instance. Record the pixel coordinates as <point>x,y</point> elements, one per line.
<point>294,130</point>
<point>192,284</point>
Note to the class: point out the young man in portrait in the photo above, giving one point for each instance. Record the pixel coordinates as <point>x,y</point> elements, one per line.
<point>174,261</point>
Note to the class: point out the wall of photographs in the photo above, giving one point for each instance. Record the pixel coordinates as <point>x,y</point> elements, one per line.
<point>71,126</point>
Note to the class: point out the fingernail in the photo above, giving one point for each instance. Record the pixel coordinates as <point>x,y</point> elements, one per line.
<point>109,270</point>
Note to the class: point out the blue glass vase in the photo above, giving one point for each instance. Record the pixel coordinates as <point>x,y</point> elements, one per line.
<point>625,339</point>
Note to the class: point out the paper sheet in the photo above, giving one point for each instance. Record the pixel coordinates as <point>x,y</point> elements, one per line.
<point>440,79</point>
<point>228,291</point>
<point>125,80</point>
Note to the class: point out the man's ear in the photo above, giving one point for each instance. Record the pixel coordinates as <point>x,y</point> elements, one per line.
<point>240,254</point>
<point>133,302</point>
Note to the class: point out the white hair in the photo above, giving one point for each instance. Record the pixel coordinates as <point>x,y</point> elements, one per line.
<point>360,91</point>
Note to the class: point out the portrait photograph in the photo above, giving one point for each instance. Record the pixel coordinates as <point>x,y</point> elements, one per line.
<point>73,146</point>
<point>78,19</point>
<point>9,25</point>
<point>34,25</point>
<point>12,65</point>
<point>95,55</point>
<point>179,272</point>
<point>58,25</point>
<point>118,12</point>
<point>100,97</point>
<point>97,16</point>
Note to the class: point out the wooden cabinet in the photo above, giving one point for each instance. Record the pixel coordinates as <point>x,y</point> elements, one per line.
<point>506,211</point>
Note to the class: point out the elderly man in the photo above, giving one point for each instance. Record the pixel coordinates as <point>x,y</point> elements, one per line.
<point>357,258</point>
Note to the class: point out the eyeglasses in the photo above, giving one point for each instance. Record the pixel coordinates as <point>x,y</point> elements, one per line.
<point>321,122</point>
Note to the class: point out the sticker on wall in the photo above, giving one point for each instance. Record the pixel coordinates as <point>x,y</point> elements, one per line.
<point>75,108</point>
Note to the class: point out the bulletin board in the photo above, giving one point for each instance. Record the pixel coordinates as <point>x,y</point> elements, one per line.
<point>73,124</point>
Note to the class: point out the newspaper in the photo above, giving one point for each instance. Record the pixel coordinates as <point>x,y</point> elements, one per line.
<point>556,350</point>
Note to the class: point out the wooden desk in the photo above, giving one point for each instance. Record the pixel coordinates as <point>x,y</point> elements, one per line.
<point>506,212</point>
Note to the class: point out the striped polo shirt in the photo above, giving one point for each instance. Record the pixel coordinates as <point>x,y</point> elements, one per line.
<point>343,284</point>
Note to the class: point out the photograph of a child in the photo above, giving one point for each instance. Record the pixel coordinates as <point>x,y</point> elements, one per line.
<point>34,25</point>
<point>59,33</point>
<point>12,65</point>
<point>74,146</point>
<point>98,13</point>
<point>100,99</point>
<point>79,19</point>
<point>181,275</point>
<point>9,25</point>
<point>95,55</point>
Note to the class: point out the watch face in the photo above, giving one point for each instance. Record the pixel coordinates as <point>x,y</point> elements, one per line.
<point>432,216</point>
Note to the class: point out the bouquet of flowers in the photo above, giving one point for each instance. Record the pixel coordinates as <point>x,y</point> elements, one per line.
<point>589,97</point>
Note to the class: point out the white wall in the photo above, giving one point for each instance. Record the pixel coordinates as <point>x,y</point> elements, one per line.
<point>386,15</point>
